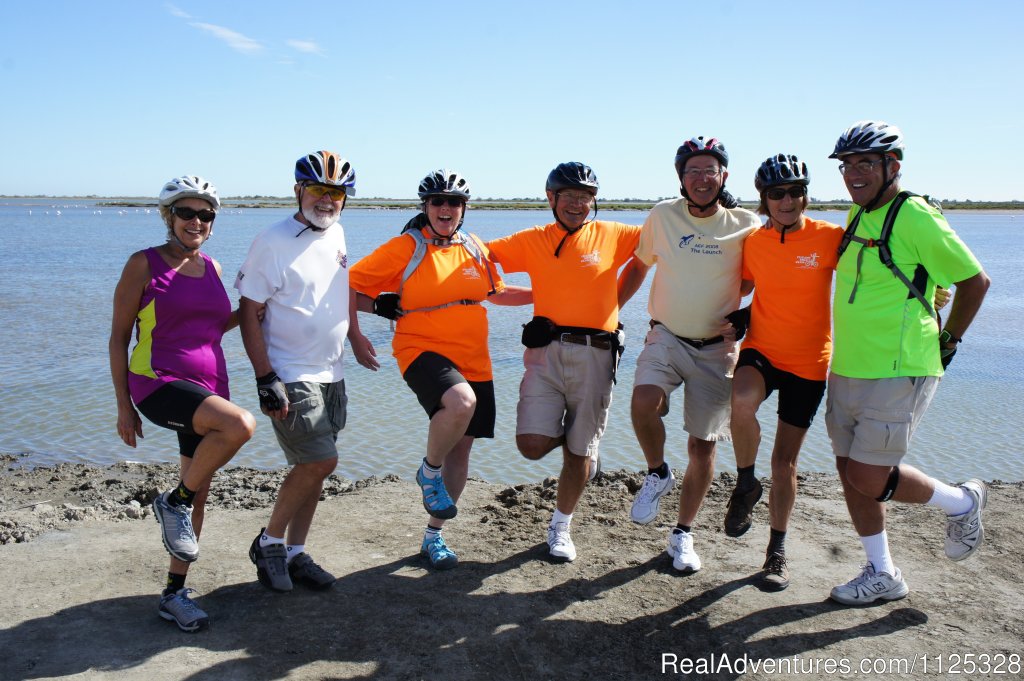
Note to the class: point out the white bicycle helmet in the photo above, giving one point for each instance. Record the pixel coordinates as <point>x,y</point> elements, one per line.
<point>189,187</point>
<point>326,167</point>
<point>867,137</point>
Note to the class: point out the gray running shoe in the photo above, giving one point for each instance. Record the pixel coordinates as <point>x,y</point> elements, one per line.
<point>176,525</point>
<point>271,564</point>
<point>776,573</point>
<point>304,570</point>
<point>740,513</point>
<point>964,532</point>
<point>870,586</point>
<point>648,499</point>
<point>177,607</point>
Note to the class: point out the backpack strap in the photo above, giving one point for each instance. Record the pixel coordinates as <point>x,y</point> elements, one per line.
<point>885,253</point>
<point>467,241</point>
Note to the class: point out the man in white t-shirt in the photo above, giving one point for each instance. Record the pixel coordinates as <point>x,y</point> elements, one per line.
<point>296,275</point>
<point>697,244</point>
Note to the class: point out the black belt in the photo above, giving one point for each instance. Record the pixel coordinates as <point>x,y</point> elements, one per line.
<point>595,341</point>
<point>694,342</point>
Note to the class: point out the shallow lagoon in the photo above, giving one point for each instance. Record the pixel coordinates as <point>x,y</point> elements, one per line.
<point>61,259</point>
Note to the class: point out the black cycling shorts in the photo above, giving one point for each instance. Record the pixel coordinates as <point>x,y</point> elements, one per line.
<point>172,406</point>
<point>799,398</point>
<point>431,375</point>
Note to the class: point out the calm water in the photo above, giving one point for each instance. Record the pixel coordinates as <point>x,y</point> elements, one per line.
<point>61,260</point>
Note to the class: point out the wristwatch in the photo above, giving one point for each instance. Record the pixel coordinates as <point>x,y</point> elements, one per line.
<point>946,337</point>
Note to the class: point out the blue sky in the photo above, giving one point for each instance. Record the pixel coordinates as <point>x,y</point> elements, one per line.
<point>113,98</point>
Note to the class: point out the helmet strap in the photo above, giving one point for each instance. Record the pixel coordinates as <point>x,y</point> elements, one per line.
<point>699,207</point>
<point>569,232</point>
<point>873,203</point>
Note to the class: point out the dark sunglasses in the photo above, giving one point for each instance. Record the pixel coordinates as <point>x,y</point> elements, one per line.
<point>186,213</point>
<point>452,201</point>
<point>778,193</point>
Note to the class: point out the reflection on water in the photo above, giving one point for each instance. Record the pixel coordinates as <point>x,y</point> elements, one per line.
<point>55,297</point>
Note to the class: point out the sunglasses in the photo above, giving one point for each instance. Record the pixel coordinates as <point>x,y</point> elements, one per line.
<point>186,213</point>
<point>778,193</point>
<point>318,191</point>
<point>452,201</point>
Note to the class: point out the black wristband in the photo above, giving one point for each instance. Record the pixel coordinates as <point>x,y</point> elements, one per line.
<point>269,378</point>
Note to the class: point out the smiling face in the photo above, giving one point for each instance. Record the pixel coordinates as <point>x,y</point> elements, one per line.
<point>865,174</point>
<point>319,211</point>
<point>702,182</point>
<point>194,232</point>
<point>787,210</point>
<point>444,219</point>
<point>572,206</point>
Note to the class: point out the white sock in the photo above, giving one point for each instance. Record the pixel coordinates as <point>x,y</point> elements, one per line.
<point>560,517</point>
<point>432,532</point>
<point>429,471</point>
<point>267,540</point>
<point>877,549</point>
<point>952,500</point>
<point>294,550</point>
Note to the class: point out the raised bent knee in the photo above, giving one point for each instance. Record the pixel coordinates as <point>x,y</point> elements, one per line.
<point>535,447</point>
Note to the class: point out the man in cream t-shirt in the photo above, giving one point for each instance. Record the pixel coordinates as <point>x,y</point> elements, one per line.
<point>696,244</point>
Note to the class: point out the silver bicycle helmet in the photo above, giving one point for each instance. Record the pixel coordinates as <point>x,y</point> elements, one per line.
<point>866,137</point>
<point>189,187</point>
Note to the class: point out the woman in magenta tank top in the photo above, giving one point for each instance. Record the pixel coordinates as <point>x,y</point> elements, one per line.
<point>172,299</point>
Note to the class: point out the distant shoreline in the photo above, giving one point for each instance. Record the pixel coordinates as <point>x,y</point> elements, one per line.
<point>484,204</point>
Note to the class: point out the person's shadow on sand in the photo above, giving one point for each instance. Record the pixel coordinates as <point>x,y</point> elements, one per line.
<point>394,621</point>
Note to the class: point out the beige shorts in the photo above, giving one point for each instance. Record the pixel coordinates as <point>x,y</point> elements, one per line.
<point>566,390</point>
<point>316,414</point>
<point>705,374</point>
<point>871,420</point>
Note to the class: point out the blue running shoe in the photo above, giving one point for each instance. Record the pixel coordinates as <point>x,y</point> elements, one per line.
<point>441,557</point>
<point>435,497</point>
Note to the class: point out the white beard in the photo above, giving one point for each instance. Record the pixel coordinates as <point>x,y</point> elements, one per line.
<point>319,220</point>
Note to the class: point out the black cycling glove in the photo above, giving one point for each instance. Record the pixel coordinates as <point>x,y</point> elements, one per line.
<point>386,305</point>
<point>273,395</point>
<point>740,320</point>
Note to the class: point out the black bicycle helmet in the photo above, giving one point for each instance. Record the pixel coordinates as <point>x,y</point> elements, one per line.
<point>572,175</point>
<point>444,182</point>
<point>781,169</point>
<point>866,137</point>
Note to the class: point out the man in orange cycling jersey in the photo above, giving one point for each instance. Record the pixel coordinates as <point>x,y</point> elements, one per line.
<point>573,342</point>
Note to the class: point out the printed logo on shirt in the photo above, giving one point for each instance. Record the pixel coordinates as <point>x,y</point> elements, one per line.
<point>342,259</point>
<point>698,246</point>
<point>593,258</point>
<point>807,262</point>
<point>685,241</point>
<point>470,272</point>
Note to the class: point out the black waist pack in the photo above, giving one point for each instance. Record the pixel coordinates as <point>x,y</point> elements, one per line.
<point>538,332</point>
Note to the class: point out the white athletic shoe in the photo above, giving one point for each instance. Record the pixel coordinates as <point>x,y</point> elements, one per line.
<point>870,586</point>
<point>964,532</point>
<point>680,547</point>
<point>560,545</point>
<point>648,499</point>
